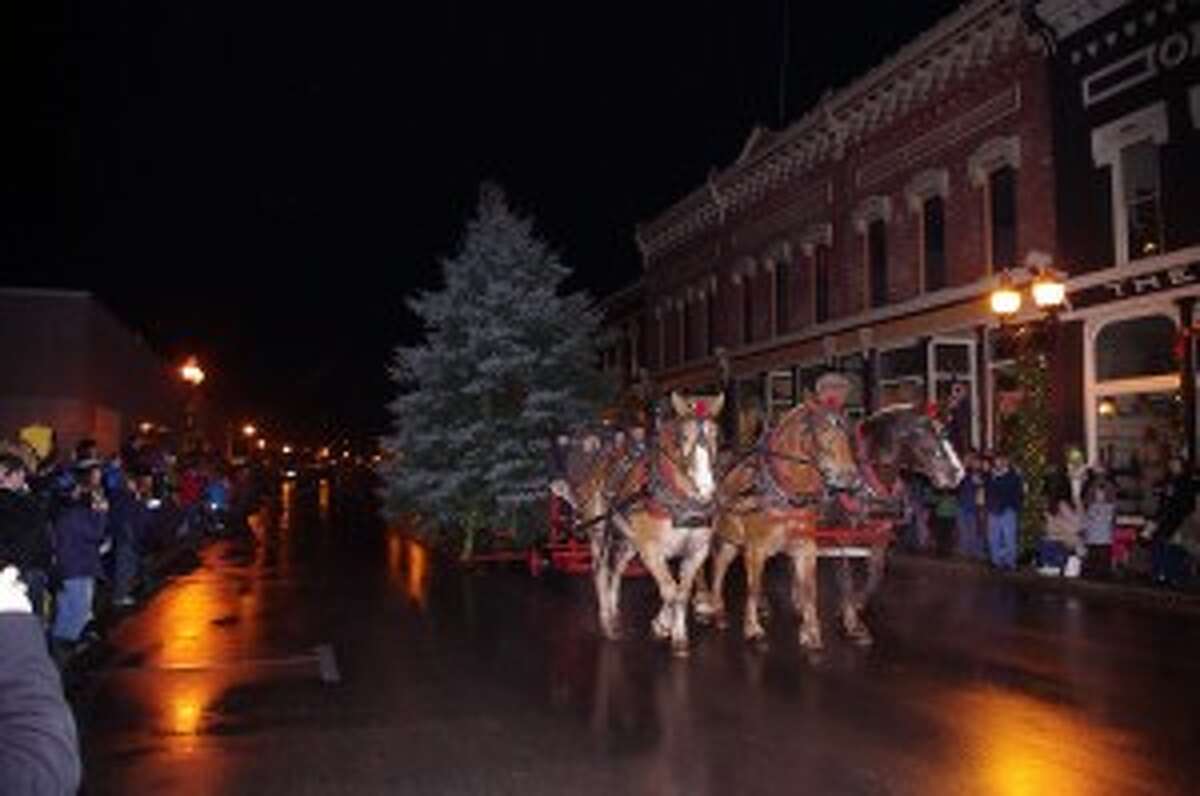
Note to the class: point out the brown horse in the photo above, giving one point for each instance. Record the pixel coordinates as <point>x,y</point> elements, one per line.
<point>769,503</point>
<point>891,443</point>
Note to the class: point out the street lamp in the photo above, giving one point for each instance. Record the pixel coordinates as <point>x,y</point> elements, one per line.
<point>191,372</point>
<point>249,430</point>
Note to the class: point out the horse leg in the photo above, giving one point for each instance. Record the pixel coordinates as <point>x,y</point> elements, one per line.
<point>755,559</point>
<point>621,556</point>
<point>702,601</point>
<point>804,592</point>
<point>695,552</point>
<point>851,620</point>
<point>856,628</point>
<point>601,543</point>
<point>726,553</point>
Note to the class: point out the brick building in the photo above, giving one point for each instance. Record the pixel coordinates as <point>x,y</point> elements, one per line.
<point>71,365</point>
<point>867,235</point>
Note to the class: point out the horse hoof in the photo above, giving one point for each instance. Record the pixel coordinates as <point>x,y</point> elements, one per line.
<point>862,638</point>
<point>811,642</point>
<point>680,650</point>
<point>721,621</point>
<point>705,619</point>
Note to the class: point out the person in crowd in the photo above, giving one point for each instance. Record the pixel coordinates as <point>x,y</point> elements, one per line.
<point>970,497</point>
<point>121,518</point>
<point>24,529</point>
<point>1176,503</point>
<point>1005,494</point>
<point>945,521</point>
<point>1062,540</point>
<point>1153,469</point>
<point>39,746</point>
<point>78,534</point>
<point>1098,523</point>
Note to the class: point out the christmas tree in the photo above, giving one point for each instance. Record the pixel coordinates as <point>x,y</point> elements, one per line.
<point>508,360</point>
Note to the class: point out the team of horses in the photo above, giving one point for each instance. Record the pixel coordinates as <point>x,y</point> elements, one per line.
<point>811,479</point>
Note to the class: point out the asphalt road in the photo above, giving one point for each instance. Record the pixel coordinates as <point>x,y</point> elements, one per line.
<point>335,656</point>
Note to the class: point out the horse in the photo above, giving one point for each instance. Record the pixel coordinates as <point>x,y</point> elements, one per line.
<point>653,497</point>
<point>894,441</point>
<point>769,502</point>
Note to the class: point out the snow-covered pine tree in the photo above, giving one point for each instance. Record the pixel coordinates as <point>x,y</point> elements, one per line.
<point>508,360</point>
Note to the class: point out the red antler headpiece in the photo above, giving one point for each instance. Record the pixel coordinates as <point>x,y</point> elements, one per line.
<point>701,409</point>
<point>931,410</point>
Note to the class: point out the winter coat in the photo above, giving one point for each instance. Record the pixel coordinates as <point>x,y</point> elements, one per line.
<point>1098,524</point>
<point>1178,503</point>
<point>39,749</point>
<point>1004,492</point>
<point>78,532</point>
<point>24,532</point>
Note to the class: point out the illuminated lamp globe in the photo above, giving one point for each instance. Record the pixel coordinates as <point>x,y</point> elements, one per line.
<point>1048,293</point>
<point>1005,300</point>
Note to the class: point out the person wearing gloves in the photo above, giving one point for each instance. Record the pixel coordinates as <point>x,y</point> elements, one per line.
<point>39,748</point>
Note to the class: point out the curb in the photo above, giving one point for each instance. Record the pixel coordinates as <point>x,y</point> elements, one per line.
<point>1127,593</point>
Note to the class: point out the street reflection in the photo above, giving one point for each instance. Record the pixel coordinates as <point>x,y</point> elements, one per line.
<point>408,567</point>
<point>287,495</point>
<point>1022,745</point>
<point>323,499</point>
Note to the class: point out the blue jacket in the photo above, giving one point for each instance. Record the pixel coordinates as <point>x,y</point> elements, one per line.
<point>78,532</point>
<point>1005,492</point>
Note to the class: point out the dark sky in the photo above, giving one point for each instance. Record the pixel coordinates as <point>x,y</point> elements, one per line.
<point>262,182</point>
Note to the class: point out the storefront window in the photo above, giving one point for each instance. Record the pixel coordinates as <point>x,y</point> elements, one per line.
<point>902,373</point>
<point>1135,348</point>
<point>853,367</point>
<point>1138,408</point>
<point>751,413</point>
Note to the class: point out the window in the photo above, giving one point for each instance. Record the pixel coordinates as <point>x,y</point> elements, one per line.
<point>993,167</point>
<point>877,262</point>
<point>689,331</point>
<point>747,309</point>
<point>1129,147</point>
<point>1143,207</point>
<point>934,242</point>
<point>821,256</point>
<point>711,322</point>
<point>783,269</point>
<point>1002,201</point>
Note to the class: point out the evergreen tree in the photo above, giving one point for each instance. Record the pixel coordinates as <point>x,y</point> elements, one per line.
<point>507,361</point>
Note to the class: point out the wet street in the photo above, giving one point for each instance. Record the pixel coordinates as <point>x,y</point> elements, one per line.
<point>335,657</point>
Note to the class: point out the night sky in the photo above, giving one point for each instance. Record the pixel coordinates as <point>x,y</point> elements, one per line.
<point>262,182</point>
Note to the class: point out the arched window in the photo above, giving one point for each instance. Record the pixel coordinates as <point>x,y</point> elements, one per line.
<point>1136,347</point>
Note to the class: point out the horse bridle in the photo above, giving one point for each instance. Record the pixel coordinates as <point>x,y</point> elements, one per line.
<point>769,482</point>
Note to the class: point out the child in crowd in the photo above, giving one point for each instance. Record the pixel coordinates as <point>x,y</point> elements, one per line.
<point>1005,493</point>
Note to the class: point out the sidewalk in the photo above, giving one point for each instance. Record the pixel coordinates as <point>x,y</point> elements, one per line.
<point>1100,591</point>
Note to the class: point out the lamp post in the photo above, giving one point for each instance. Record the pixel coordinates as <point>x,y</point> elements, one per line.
<point>193,376</point>
<point>1034,340</point>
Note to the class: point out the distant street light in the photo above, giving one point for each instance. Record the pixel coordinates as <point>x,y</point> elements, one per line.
<point>249,430</point>
<point>191,372</point>
<point>262,444</point>
<point>287,449</point>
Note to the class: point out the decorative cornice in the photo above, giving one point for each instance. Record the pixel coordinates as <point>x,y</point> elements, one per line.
<point>815,235</point>
<point>1068,17</point>
<point>965,41</point>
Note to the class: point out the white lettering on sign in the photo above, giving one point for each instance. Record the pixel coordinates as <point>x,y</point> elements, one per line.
<point>1181,275</point>
<point>1148,283</point>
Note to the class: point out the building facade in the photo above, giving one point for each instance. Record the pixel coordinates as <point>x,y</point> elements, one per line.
<point>69,364</point>
<point>867,235</point>
<point>1126,77</point>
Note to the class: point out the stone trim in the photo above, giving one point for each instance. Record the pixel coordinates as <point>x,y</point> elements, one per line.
<point>925,186</point>
<point>815,235</point>
<point>1194,104</point>
<point>992,155</point>
<point>873,208</point>
<point>1108,140</point>
<point>1068,17</point>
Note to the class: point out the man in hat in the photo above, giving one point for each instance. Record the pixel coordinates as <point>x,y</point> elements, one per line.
<point>832,390</point>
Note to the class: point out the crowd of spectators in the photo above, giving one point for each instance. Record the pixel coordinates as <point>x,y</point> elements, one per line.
<point>1091,528</point>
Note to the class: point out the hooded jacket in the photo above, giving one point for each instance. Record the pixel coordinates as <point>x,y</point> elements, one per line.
<point>24,532</point>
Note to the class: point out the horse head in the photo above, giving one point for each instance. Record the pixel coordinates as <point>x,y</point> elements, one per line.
<point>813,443</point>
<point>694,435</point>
<point>910,440</point>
